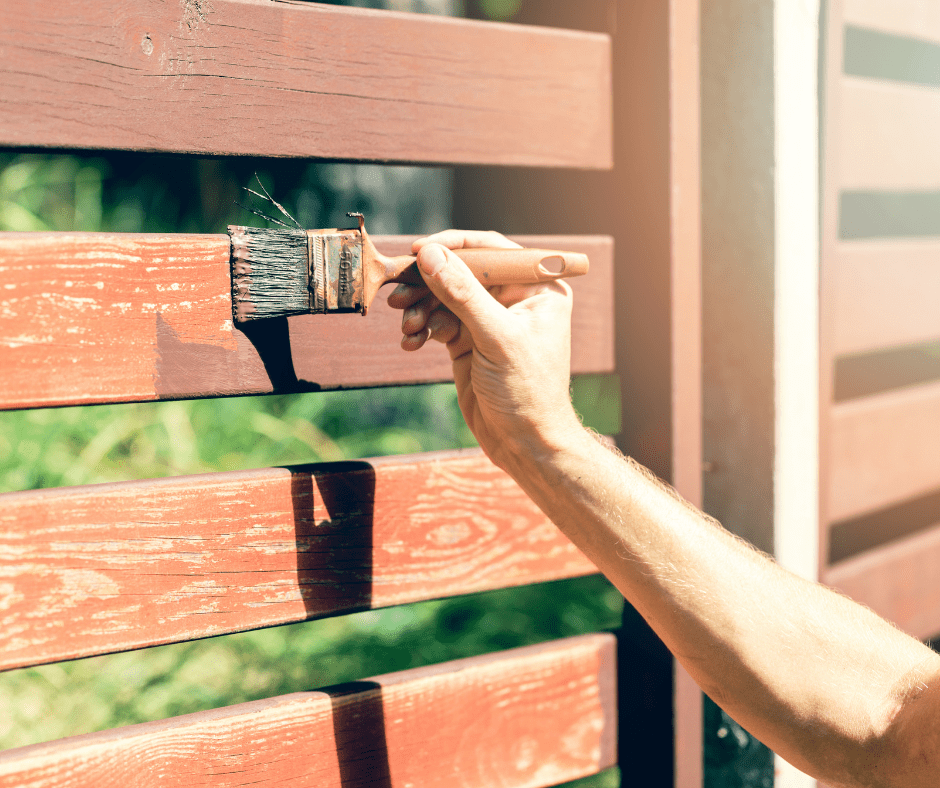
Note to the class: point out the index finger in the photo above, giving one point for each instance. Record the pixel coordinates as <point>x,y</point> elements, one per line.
<point>466,239</point>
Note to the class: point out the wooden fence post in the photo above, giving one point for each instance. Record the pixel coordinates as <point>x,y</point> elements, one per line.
<point>760,269</point>
<point>650,204</point>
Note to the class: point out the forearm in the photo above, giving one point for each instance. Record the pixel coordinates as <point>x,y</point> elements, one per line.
<point>819,679</point>
<point>824,682</point>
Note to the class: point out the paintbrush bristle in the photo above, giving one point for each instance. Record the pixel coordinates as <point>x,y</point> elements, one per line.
<point>269,273</point>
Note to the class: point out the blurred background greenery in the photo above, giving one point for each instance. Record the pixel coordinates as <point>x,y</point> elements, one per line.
<point>126,192</point>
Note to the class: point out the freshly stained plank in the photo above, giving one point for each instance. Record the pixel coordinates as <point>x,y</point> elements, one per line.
<point>103,568</point>
<point>900,581</point>
<point>523,718</point>
<point>301,79</point>
<point>88,318</point>
<point>914,18</point>
<point>888,136</point>
<point>883,450</point>
<point>886,294</point>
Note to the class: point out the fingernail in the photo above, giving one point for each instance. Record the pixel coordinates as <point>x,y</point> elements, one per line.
<point>408,314</point>
<point>431,259</point>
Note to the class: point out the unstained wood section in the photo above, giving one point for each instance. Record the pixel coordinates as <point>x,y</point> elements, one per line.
<point>524,718</point>
<point>914,18</point>
<point>103,568</point>
<point>900,581</point>
<point>883,450</point>
<point>242,77</point>
<point>93,317</point>
<point>888,136</point>
<point>886,294</point>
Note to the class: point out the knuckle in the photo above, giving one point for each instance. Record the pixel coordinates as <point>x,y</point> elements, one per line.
<point>498,240</point>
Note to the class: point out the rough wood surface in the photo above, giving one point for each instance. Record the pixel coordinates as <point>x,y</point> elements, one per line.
<point>886,294</point>
<point>888,136</point>
<point>524,718</point>
<point>883,450</point>
<point>240,77</point>
<point>89,318</point>
<point>897,581</point>
<point>914,18</point>
<point>103,568</point>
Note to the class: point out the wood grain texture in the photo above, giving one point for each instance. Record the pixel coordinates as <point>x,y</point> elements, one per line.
<point>246,77</point>
<point>885,294</point>
<point>524,718</point>
<point>883,450</point>
<point>897,581</point>
<point>93,317</point>
<point>888,136</point>
<point>104,568</point>
<point>914,18</point>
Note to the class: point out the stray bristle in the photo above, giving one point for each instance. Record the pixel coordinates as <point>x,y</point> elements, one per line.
<point>269,273</point>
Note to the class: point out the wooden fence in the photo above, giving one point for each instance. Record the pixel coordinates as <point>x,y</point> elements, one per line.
<point>94,318</point>
<point>880,397</point>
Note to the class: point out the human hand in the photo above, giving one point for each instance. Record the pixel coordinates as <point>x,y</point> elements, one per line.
<point>510,347</point>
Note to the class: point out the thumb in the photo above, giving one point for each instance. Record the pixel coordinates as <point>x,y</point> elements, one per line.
<point>458,289</point>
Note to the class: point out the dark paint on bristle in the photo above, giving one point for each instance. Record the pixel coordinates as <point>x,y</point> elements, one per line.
<point>269,273</point>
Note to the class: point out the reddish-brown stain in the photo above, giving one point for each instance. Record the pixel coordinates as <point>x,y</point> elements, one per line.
<point>523,718</point>
<point>90,570</point>
<point>96,317</point>
<point>239,77</point>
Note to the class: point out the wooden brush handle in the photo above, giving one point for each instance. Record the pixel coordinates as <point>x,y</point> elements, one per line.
<point>490,266</point>
<point>494,266</point>
<point>522,266</point>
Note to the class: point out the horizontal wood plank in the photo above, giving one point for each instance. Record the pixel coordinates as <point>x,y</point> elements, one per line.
<point>524,718</point>
<point>104,568</point>
<point>92,317</point>
<point>888,136</point>
<point>886,294</point>
<point>914,18</point>
<point>242,77</point>
<point>883,450</point>
<point>900,581</point>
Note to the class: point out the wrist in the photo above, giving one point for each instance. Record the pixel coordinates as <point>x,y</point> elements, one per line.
<point>531,453</point>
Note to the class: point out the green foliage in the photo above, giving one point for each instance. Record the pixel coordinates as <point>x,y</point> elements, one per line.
<point>85,445</point>
<point>50,193</point>
<point>115,191</point>
<point>733,758</point>
<point>500,9</point>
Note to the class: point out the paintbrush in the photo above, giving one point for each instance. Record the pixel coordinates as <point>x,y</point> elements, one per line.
<point>293,271</point>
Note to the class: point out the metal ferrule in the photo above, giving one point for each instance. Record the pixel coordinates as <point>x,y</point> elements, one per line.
<point>335,271</point>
